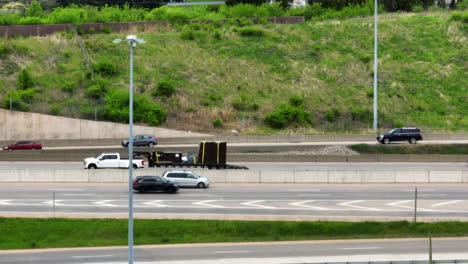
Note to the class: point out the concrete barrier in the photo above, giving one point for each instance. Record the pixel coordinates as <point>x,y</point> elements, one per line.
<point>242,176</point>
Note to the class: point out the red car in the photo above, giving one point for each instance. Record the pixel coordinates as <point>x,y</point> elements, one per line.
<point>24,145</point>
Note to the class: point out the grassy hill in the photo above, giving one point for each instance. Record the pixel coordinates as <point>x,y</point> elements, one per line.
<point>231,76</point>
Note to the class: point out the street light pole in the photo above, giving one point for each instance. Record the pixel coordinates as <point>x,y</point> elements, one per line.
<point>375,64</point>
<point>132,40</point>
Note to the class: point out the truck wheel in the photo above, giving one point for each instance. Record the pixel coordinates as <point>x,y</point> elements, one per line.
<point>386,141</point>
<point>412,141</point>
<point>135,166</point>
<point>151,144</point>
<point>92,166</point>
<point>201,185</point>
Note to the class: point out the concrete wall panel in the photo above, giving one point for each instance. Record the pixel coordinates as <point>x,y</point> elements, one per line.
<point>9,176</point>
<point>377,176</point>
<point>71,175</point>
<point>276,176</point>
<point>465,176</point>
<point>35,175</point>
<point>244,176</point>
<point>344,176</point>
<point>311,176</point>
<point>411,176</point>
<point>445,176</point>
<point>118,176</point>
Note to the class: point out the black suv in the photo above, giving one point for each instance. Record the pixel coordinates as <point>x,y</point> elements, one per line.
<point>154,183</point>
<point>410,134</point>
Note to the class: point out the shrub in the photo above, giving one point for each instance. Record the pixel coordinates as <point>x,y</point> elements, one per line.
<point>332,114</point>
<point>94,91</point>
<point>105,68</point>
<point>217,123</point>
<point>296,100</point>
<point>244,103</point>
<point>55,110</point>
<point>359,113</point>
<point>211,99</point>
<point>68,86</point>
<point>7,19</point>
<point>69,15</point>
<point>251,31</point>
<point>287,115</point>
<point>25,80</point>
<point>164,88</point>
<point>19,99</point>
<point>31,21</point>
<point>187,34</point>
<point>106,29</point>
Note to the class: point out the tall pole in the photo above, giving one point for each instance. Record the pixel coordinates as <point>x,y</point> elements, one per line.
<point>375,64</point>
<point>130,162</point>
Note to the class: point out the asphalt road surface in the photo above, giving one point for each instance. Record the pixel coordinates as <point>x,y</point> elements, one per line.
<point>435,202</point>
<point>248,253</point>
<point>271,165</point>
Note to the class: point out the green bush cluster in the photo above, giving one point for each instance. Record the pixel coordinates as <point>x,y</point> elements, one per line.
<point>244,103</point>
<point>117,109</point>
<point>19,100</point>
<point>25,80</point>
<point>287,115</point>
<point>251,31</point>
<point>217,123</point>
<point>164,88</point>
<point>331,115</point>
<point>105,68</point>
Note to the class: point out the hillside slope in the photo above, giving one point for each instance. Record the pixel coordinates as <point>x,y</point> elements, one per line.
<point>238,74</point>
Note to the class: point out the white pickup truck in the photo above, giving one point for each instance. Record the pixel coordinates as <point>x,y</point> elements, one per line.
<point>110,161</point>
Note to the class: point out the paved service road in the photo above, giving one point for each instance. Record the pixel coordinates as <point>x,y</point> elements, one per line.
<point>240,201</point>
<point>271,165</point>
<point>249,253</point>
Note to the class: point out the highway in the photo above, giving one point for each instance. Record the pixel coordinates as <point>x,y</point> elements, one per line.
<point>270,165</point>
<point>349,202</point>
<point>293,252</point>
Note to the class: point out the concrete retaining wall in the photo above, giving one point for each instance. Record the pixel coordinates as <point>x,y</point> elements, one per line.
<point>242,176</point>
<point>31,126</point>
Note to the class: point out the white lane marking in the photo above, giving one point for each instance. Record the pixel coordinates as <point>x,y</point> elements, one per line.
<point>105,203</point>
<point>314,195</point>
<point>302,204</point>
<point>350,204</point>
<point>303,190</point>
<point>254,203</point>
<point>156,203</point>
<point>78,194</point>
<point>52,202</point>
<point>5,202</point>
<point>229,252</point>
<point>358,248</point>
<point>96,256</point>
<point>205,203</point>
<point>197,195</point>
<point>446,203</point>
<point>398,204</point>
<point>65,190</point>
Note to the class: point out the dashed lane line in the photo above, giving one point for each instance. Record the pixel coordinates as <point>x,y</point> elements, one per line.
<point>254,203</point>
<point>446,203</point>
<point>303,204</point>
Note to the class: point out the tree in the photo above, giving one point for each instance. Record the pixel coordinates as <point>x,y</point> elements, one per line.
<point>35,10</point>
<point>24,80</point>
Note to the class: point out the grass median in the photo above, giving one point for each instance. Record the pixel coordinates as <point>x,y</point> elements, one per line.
<point>29,233</point>
<point>442,149</point>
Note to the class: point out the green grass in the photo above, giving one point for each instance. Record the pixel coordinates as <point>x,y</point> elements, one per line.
<point>455,149</point>
<point>24,233</point>
<point>422,68</point>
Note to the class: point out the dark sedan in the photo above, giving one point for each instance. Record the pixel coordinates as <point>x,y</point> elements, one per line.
<point>154,183</point>
<point>23,145</point>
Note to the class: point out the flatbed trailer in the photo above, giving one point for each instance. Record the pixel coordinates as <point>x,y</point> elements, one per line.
<point>211,155</point>
<point>199,165</point>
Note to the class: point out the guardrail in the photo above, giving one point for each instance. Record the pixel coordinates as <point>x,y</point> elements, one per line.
<point>454,261</point>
